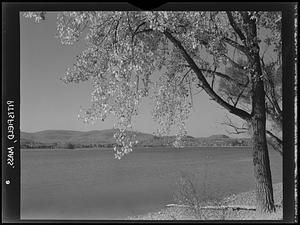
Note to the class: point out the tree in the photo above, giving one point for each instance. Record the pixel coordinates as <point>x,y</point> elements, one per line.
<point>69,146</point>
<point>191,49</point>
<point>239,95</point>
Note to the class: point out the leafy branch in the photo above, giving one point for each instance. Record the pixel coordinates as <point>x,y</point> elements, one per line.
<point>235,26</point>
<point>203,82</point>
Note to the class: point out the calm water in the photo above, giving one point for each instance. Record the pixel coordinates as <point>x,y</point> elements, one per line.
<point>91,184</point>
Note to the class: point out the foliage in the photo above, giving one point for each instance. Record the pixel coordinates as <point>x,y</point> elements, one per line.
<point>69,146</point>
<point>186,194</point>
<point>240,94</point>
<point>190,48</point>
<point>232,90</point>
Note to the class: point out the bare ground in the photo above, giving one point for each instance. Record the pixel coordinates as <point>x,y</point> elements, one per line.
<point>245,198</point>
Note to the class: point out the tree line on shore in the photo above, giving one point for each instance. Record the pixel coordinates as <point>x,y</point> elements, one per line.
<point>159,142</point>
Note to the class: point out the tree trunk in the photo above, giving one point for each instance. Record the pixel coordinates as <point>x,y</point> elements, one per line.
<point>262,171</point>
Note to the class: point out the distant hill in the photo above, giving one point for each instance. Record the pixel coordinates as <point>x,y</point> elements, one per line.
<point>105,138</point>
<point>63,137</point>
<point>50,136</point>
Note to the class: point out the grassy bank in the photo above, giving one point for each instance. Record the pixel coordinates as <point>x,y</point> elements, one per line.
<point>245,198</point>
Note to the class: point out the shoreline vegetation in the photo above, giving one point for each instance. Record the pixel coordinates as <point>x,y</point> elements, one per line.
<point>59,139</point>
<point>161,148</point>
<point>220,212</point>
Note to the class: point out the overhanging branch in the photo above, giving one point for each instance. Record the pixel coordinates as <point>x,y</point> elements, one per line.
<point>236,45</point>
<point>205,85</point>
<point>235,26</point>
<point>225,76</point>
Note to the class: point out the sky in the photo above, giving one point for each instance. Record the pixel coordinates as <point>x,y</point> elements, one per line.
<point>49,104</point>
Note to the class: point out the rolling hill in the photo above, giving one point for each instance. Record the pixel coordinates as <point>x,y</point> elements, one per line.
<point>105,138</point>
<point>61,137</point>
<point>50,136</point>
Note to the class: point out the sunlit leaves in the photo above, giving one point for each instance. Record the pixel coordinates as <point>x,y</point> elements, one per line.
<point>70,25</point>
<point>37,16</point>
<point>171,107</point>
<point>123,49</point>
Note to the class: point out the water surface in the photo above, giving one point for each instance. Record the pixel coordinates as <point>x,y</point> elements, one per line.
<point>92,184</point>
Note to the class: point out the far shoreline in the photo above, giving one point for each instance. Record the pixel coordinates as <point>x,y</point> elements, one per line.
<point>111,148</point>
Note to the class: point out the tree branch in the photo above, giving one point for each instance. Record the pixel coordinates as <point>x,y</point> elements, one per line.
<point>225,76</point>
<point>116,32</point>
<point>191,94</point>
<point>137,31</point>
<point>235,64</point>
<point>184,76</point>
<point>240,94</point>
<point>273,99</point>
<point>277,119</point>
<point>277,140</point>
<point>236,45</point>
<point>137,28</point>
<point>274,113</point>
<point>238,97</point>
<point>213,81</point>
<point>235,26</point>
<point>237,130</point>
<point>239,112</point>
<point>129,25</point>
<point>143,31</point>
<point>105,36</point>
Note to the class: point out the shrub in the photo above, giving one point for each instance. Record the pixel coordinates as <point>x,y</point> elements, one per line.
<point>186,194</point>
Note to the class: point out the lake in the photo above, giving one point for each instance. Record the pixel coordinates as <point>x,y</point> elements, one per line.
<point>92,184</point>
